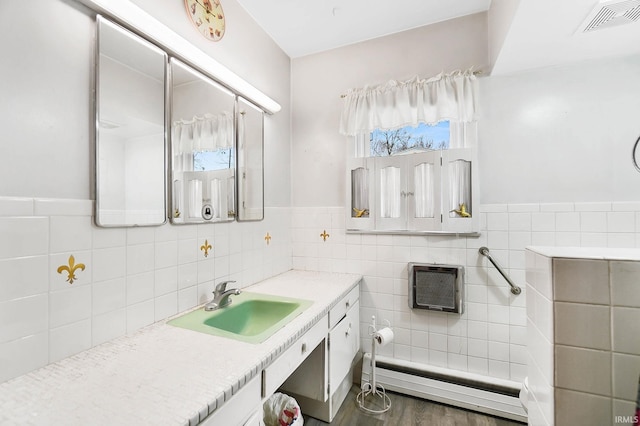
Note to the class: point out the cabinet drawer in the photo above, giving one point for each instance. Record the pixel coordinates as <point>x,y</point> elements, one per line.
<point>340,309</point>
<point>344,343</point>
<point>285,364</point>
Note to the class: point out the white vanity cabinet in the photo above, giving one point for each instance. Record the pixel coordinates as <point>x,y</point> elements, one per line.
<point>316,369</point>
<point>344,343</point>
<point>276,373</point>
<point>235,411</point>
<point>211,380</point>
<point>262,386</point>
<point>322,382</point>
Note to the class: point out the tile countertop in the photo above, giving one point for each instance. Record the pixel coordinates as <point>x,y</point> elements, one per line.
<point>163,375</point>
<point>601,253</point>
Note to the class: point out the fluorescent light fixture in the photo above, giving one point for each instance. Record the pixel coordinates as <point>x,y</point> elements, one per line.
<point>135,19</point>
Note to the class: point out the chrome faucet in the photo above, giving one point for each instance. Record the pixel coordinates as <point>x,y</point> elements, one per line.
<point>221,296</point>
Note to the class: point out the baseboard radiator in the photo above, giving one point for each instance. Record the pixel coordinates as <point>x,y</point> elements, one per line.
<point>466,390</point>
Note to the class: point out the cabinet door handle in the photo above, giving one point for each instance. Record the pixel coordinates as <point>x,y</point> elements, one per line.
<point>303,348</point>
<point>348,304</point>
<point>346,333</point>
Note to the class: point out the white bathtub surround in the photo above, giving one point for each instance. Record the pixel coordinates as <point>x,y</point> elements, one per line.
<point>490,337</point>
<point>583,345</point>
<point>132,278</point>
<point>163,374</point>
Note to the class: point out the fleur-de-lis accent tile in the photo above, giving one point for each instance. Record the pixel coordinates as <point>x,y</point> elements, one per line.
<point>71,269</point>
<point>267,238</point>
<point>324,235</point>
<point>206,247</point>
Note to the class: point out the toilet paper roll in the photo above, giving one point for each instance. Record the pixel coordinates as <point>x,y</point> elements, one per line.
<point>383,336</point>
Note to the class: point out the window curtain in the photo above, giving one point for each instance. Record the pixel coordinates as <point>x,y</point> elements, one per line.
<point>359,193</point>
<point>424,189</point>
<point>460,188</point>
<point>398,104</point>
<point>390,202</point>
<point>207,133</point>
<point>183,162</point>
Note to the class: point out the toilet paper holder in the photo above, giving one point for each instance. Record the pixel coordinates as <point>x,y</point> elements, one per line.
<point>378,402</point>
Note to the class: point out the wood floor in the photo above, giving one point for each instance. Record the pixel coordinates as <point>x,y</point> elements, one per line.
<point>409,411</point>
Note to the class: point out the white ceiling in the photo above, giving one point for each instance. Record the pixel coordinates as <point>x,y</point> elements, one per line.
<point>542,32</point>
<point>303,27</point>
<point>549,32</point>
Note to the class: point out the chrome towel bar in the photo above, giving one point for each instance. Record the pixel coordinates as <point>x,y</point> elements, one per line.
<point>514,288</point>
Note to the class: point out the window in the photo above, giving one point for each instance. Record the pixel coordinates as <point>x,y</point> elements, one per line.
<point>409,139</point>
<point>220,159</point>
<point>411,179</point>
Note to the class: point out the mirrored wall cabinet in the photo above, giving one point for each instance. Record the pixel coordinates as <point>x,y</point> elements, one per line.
<point>203,149</point>
<point>148,104</point>
<point>250,161</point>
<point>130,129</point>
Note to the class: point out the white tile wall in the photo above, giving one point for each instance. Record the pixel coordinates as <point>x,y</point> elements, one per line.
<point>585,368</point>
<point>540,338</point>
<point>490,337</point>
<point>136,276</point>
<point>132,277</point>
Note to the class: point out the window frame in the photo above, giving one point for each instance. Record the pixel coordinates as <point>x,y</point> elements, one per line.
<point>441,223</point>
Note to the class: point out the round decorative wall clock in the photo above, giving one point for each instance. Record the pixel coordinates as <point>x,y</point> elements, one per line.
<point>207,16</point>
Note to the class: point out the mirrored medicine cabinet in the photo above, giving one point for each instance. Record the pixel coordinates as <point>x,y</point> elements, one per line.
<point>130,129</point>
<point>250,161</point>
<point>203,150</point>
<point>165,131</point>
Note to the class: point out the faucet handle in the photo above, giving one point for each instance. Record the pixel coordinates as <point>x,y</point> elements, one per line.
<point>223,285</point>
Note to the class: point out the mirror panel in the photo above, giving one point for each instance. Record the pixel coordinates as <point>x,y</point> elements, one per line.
<point>130,129</point>
<point>250,161</point>
<point>202,148</point>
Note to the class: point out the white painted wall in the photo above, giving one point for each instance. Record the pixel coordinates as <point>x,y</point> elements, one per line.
<point>132,276</point>
<point>554,165</point>
<point>246,50</point>
<point>500,16</point>
<point>45,81</point>
<point>560,134</point>
<point>41,70</point>
<point>318,163</point>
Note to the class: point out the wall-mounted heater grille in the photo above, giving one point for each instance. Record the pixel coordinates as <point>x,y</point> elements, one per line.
<point>611,13</point>
<point>436,287</point>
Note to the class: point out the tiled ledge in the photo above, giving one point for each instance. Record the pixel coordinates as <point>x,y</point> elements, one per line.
<point>601,253</point>
<point>163,374</point>
<point>22,206</point>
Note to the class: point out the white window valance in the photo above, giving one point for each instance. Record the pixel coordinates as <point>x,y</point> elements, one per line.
<point>207,133</point>
<point>397,104</point>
